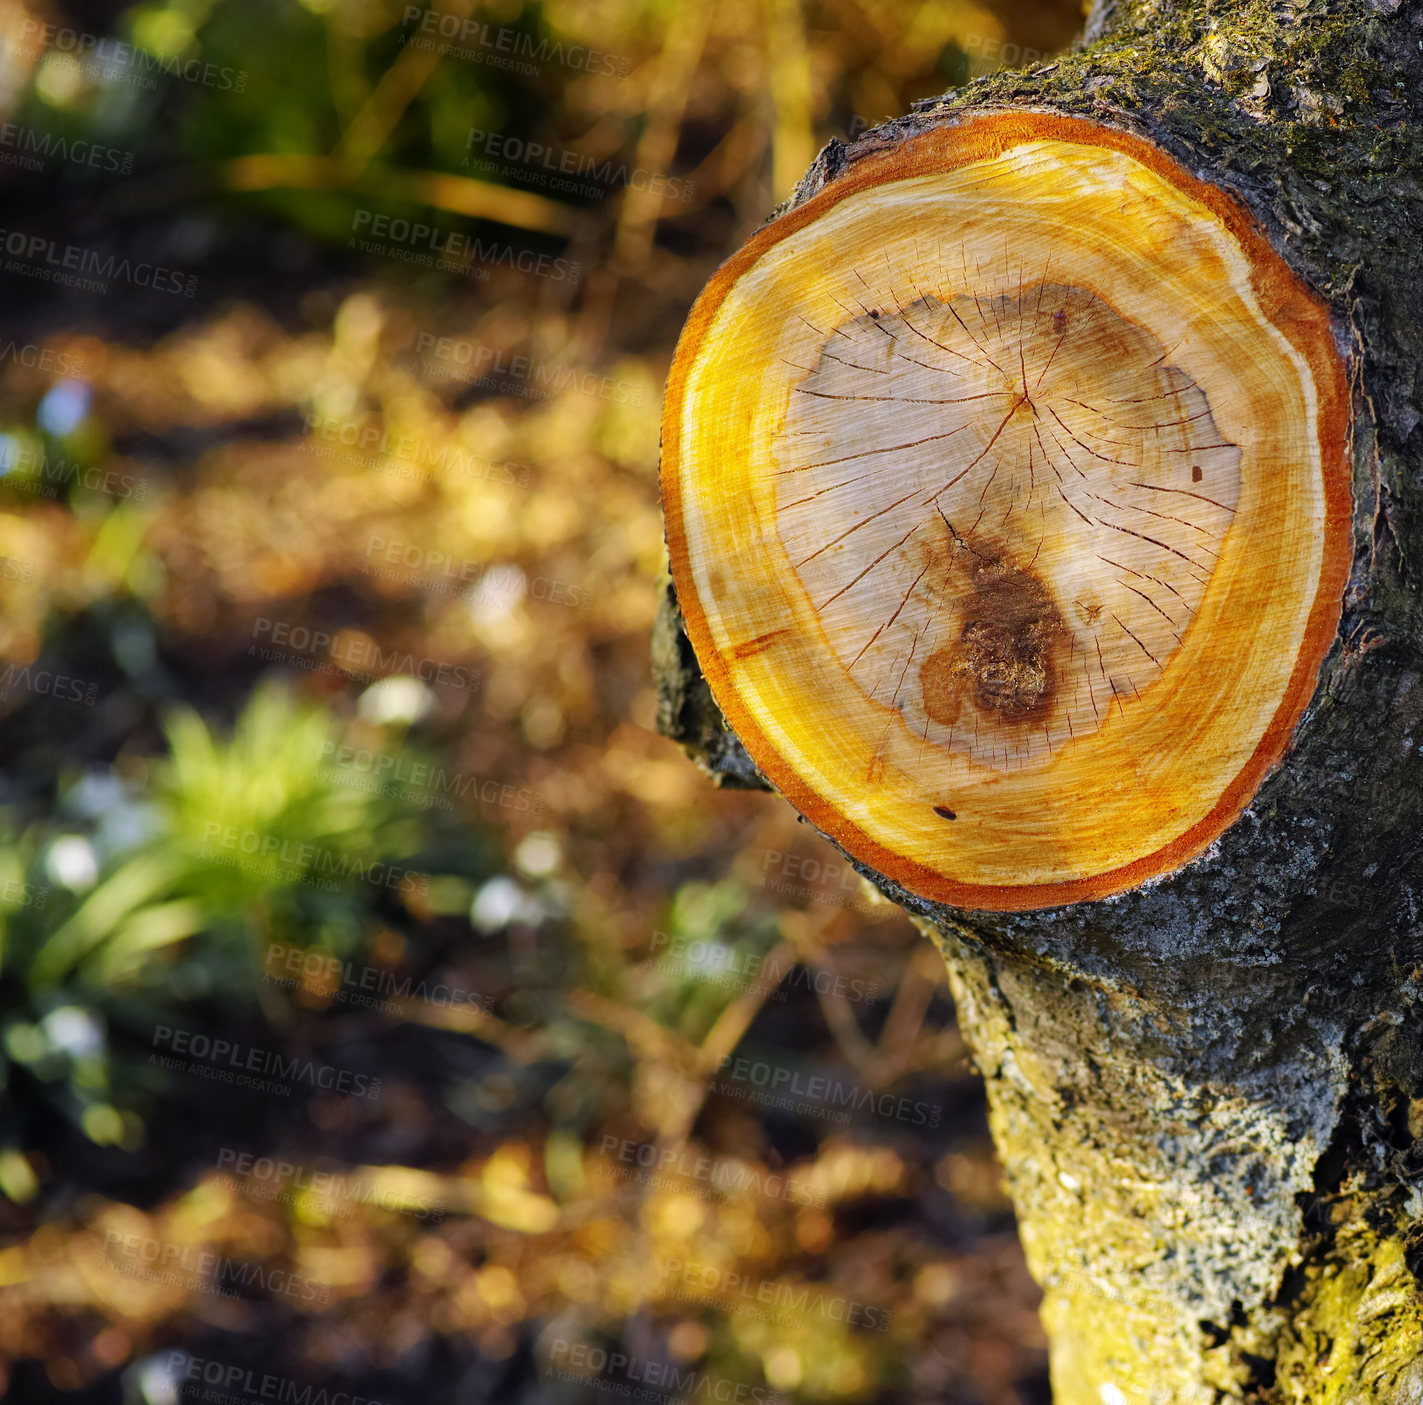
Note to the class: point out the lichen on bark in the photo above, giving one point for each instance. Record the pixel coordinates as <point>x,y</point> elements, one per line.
<point>1355,1331</point>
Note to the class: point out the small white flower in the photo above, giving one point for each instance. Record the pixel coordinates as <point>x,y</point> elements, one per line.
<point>73,1030</point>
<point>400,699</point>
<point>70,862</point>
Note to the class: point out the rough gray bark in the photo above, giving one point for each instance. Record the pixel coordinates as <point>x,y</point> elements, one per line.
<point>1208,1092</point>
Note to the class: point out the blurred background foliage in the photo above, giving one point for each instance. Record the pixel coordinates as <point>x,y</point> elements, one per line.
<point>326,578</point>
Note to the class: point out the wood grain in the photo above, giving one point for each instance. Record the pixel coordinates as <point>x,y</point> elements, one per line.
<point>1008,508</point>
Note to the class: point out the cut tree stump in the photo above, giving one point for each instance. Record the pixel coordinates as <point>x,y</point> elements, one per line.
<point>1042,489</point>
<point>1008,508</point>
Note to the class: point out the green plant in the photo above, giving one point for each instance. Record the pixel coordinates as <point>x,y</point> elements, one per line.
<point>181,885</point>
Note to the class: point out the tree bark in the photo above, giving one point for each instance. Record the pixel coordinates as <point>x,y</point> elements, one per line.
<point>1207,1092</point>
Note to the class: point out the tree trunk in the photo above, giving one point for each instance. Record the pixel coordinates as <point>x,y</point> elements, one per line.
<point>1207,1092</point>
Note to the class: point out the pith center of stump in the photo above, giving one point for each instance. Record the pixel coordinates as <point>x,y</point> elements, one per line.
<point>1005,508</point>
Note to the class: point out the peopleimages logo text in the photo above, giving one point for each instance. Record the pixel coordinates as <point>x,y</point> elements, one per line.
<point>440,247</point>
<point>291,965</point>
<point>30,468</point>
<point>482,147</point>
<point>353,655</point>
<point>38,254</point>
<point>409,456</point>
<point>229,1057</point>
<point>696,1280</point>
<point>279,852</point>
<point>465,37</point>
<point>717,963</point>
<point>41,358</point>
<point>645,1379</point>
<point>338,1193</point>
<point>161,1261</point>
<point>46,683</point>
<point>31,148</point>
<point>774,1084</point>
<point>239,1382</point>
<point>475,363</point>
<point>400,775</point>
<point>665,1167</point>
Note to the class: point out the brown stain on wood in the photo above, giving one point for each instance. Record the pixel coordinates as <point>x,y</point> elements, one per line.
<point>761,642</point>
<point>1005,658</point>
